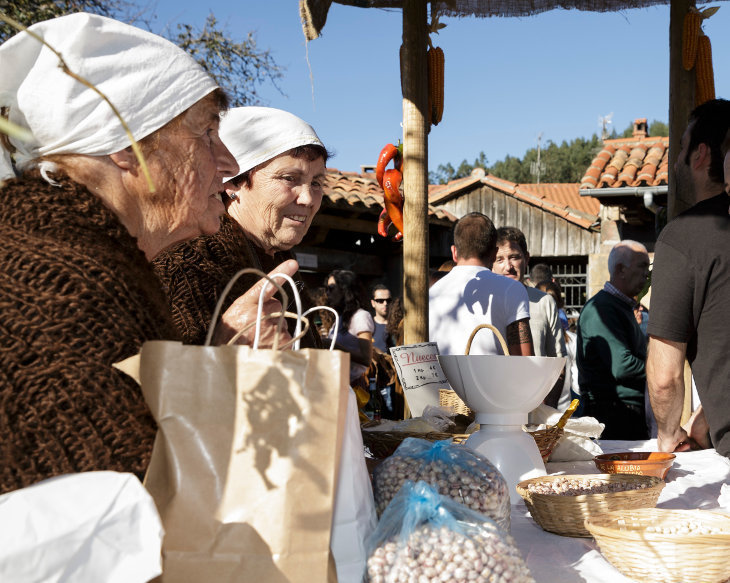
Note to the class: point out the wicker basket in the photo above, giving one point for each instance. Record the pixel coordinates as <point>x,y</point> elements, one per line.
<point>643,554</point>
<point>546,440</point>
<point>566,515</point>
<point>383,443</point>
<point>449,398</point>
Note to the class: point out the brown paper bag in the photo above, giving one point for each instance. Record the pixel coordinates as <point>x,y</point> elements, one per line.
<point>243,467</point>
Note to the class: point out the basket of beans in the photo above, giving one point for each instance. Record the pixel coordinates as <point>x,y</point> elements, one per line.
<point>561,504</point>
<point>662,546</point>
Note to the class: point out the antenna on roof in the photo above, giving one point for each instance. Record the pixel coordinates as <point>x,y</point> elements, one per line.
<point>537,167</point>
<point>604,122</point>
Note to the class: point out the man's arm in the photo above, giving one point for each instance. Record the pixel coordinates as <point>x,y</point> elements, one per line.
<point>665,376</point>
<point>519,338</point>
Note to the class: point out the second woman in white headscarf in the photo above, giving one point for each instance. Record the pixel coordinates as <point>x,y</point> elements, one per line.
<point>272,201</point>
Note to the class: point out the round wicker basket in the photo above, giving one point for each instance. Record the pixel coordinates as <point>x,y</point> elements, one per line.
<point>565,515</point>
<point>449,398</point>
<point>630,541</point>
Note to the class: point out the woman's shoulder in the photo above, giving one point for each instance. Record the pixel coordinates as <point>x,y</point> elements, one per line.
<point>362,321</point>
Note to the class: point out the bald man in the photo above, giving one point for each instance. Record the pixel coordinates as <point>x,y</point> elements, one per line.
<point>611,351</point>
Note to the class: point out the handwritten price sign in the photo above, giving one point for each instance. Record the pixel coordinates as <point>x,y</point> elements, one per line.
<point>420,374</point>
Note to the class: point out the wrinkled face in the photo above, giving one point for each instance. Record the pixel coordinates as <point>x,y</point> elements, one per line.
<point>635,274</point>
<point>726,171</point>
<point>682,169</point>
<point>188,166</point>
<point>510,261</point>
<point>381,302</point>
<point>284,196</point>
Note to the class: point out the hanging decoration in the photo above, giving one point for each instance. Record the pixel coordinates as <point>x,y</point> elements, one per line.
<point>697,53</point>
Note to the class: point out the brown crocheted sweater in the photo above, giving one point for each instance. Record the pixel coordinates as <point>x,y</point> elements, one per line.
<point>76,295</point>
<point>194,275</point>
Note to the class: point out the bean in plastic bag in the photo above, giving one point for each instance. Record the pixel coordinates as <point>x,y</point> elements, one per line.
<point>455,470</point>
<point>425,537</point>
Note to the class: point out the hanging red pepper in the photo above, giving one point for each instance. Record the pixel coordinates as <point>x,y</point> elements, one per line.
<point>384,224</point>
<point>393,198</point>
<point>388,153</point>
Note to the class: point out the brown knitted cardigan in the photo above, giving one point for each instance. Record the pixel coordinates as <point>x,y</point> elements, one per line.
<point>76,295</point>
<point>194,275</point>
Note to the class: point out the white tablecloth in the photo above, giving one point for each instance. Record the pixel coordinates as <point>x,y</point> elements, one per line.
<point>694,481</point>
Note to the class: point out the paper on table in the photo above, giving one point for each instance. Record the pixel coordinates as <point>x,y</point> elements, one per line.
<point>80,528</point>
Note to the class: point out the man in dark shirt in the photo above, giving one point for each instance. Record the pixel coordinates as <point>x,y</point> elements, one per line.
<point>690,309</point>
<point>611,348</point>
<point>380,301</point>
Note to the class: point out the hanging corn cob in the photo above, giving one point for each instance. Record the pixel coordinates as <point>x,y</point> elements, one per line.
<point>690,37</point>
<point>704,76</point>
<point>435,58</point>
<point>697,53</point>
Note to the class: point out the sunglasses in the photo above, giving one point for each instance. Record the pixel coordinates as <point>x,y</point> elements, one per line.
<point>381,300</point>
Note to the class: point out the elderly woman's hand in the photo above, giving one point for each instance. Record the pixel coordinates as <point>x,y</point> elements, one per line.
<point>243,312</point>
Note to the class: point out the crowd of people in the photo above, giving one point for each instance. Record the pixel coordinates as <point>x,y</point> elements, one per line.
<point>107,246</point>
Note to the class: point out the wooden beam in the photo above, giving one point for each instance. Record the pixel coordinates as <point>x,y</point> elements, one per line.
<point>369,227</point>
<point>681,103</point>
<point>330,259</point>
<point>414,84</point>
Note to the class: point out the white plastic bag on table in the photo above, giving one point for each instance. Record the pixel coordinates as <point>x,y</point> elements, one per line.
<point>425,537</point>
<point>80,528</point>
<point>354,516</point>
<point>455,470</point>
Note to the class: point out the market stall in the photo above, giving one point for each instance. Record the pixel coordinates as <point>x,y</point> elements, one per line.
<point>694,481</point>
<point>415,103</point>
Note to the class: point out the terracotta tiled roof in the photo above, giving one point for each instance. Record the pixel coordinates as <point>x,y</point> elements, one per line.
<point>637,161</point>
<point>563,200</point>
<point>357,190</point>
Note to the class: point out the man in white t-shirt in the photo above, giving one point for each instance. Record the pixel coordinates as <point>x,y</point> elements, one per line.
<point>471,295</point>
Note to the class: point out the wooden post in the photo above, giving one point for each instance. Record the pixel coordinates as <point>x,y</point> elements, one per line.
<point>414,83</point>
<point>681,103</point>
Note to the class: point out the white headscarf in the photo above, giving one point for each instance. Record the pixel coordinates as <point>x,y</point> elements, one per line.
<point>255,135</point>
<point>147,78</point>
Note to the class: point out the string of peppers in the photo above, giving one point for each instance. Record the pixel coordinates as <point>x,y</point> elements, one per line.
<point>390,179</point>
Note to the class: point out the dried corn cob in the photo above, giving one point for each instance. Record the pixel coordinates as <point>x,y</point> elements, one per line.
<point>704,76</point>
<point>435,58</point>
<point>690,38</point>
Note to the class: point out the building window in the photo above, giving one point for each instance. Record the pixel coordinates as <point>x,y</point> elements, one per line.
<point>572,275</point>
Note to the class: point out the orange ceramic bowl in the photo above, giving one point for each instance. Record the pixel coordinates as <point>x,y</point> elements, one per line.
<point>645,463</point>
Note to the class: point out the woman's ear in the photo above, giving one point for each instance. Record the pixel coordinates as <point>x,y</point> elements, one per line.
<point>124,159</point>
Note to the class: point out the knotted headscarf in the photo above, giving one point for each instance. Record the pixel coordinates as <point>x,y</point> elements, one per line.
<point>255,135</point>
<point>147,78</point>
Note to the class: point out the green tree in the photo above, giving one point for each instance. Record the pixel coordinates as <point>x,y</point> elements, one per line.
<point>446,172</point>
<point>564,163</point>
<point>240,67</point>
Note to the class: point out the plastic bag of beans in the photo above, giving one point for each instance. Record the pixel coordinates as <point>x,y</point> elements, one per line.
<point>454,470</point>
<point>425,537</point>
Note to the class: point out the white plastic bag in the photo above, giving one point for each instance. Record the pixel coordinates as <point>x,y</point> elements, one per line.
<point>354,517</point>
<point>80,528</point>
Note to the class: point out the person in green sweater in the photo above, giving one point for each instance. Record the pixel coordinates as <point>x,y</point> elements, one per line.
<point>611,351</point>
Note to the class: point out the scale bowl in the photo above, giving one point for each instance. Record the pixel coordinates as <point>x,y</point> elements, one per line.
<point>501,389</point>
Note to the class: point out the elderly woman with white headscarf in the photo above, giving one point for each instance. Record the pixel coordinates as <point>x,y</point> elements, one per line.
<point>79,224</point>
<point>272,201</point>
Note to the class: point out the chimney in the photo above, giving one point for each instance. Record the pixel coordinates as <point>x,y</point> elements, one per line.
<point>641,129</point>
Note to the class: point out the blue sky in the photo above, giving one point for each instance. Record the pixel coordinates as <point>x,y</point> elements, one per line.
<point>507,79</point>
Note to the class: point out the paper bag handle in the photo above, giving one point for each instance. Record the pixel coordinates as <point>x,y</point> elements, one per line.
<point>288,343</point>
<point>297,301</point>
<point>227,289</point>
<point>497,333</point>
<point>337,323</point>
